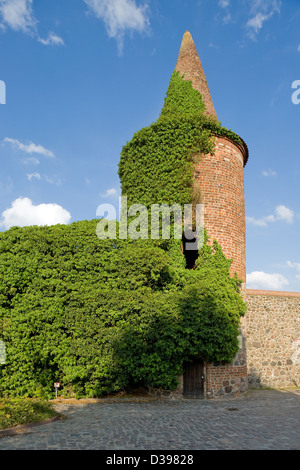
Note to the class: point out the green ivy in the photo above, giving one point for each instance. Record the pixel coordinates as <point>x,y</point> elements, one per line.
<point>182,100</point>
<point>100,315</point>
<point>156,166</point>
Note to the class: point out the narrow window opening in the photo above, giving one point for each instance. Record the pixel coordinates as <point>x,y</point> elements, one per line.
<point>190,249</point>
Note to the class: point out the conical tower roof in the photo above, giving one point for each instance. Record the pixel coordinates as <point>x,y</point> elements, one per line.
<point>189,65</point>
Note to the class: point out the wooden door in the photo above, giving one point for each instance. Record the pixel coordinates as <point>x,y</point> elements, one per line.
<point>193,379</point>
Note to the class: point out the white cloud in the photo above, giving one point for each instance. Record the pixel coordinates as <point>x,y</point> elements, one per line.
<point>259,222</point>
<point>261,11</point>
<point>23,213</point>
<point>224,3</point>
<point>262,280</point>
<point>120,16</point>
<point>256,23</point>
<point>298,48</point>
<point>269,172</point>
<point>53,180</point>
<point>34,175</point>
<point>17,15</point>
<point>29,148</point>
<point>284,213</point>
<point>31,161</point>
<point>294,266</point>
<point>52,40</point>
<point>281,213</point>
<point>291,264</point>
<point>227,18</point>
<point>110,192</point>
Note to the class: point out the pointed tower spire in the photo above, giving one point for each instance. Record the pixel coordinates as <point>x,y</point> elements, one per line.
<point>189,65</point>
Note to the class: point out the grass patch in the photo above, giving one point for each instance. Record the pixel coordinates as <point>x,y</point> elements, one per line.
<point>16,411</point>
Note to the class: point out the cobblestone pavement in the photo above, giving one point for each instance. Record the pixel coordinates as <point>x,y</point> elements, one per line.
<point>265,419</point>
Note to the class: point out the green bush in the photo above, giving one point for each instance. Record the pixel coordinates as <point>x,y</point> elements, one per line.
<point>99,315</point>
<point>15,412</point>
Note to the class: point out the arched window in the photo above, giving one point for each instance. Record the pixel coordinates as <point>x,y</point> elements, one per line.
<point>190,248</point>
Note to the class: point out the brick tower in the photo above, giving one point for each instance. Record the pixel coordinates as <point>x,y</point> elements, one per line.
<point>273,345</point>
<point>220,177</point>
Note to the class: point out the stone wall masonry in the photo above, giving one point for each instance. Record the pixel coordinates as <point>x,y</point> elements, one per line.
<point>269,354</point>
<point>272,330</point>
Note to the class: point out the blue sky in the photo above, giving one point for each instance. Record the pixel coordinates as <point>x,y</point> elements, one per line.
<point>81,76</point>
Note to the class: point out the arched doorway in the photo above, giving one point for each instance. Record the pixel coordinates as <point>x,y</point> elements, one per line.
<point>194,379</point>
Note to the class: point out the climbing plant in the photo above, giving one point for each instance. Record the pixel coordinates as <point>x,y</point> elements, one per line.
<point>99,315</point>
<point>156,166</point>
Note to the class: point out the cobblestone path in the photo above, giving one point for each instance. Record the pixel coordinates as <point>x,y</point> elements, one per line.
<point>262,420</point>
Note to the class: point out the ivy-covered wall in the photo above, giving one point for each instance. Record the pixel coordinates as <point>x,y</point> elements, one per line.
<point>100,315</point>
<point>156,166</point>
<point>103,315</point>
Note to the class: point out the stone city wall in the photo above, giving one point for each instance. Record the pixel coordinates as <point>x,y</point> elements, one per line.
<point>272,330</point>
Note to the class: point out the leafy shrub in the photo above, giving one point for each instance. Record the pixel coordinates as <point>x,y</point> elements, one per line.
<point>14,412</point>
<point>98,315</point>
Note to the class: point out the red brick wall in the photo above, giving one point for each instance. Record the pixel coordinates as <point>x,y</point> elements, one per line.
<point>220,178</point>
<point>226,380</point>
